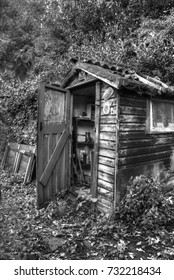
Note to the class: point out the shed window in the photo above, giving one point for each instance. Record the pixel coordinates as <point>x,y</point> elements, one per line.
<point>161,115</point>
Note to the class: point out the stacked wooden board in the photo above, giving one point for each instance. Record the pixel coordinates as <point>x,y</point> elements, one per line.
<point>21,159</point>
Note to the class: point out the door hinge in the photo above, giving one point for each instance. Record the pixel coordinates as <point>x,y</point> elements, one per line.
<point>40,126</point>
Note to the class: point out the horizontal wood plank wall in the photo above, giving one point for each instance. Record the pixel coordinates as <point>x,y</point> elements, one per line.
<point>107,146</point>
<point>139,151</point>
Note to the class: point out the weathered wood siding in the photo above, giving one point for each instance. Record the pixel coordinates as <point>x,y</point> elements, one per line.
<point>140,152</point>
<point>53,151</point>
<point>107,152</point>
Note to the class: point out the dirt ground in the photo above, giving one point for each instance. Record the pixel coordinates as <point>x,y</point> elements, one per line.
<point>69,229</point>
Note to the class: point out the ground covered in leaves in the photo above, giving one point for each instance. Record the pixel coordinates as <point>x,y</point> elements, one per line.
<point>68,229</point>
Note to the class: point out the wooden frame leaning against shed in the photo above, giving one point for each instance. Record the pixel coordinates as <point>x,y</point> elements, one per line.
<point>21,159</point>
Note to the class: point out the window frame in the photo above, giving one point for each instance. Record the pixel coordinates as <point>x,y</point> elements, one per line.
<point>149,119</point>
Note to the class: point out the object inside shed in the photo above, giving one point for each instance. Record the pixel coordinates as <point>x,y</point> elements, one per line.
<point>83,133</point>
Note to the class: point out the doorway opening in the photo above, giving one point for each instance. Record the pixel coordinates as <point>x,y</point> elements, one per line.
<point>83,135</point>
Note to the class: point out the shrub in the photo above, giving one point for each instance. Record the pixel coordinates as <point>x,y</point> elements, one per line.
<point>145,203</point>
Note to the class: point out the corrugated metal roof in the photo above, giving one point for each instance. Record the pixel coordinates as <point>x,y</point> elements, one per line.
<point>115,68</point>
<point>119,76</point>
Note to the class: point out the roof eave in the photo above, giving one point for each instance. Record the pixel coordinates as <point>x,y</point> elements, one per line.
<point>141,85</point>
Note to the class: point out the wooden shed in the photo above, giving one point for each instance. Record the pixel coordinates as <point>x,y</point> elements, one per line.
<point>103,126</point>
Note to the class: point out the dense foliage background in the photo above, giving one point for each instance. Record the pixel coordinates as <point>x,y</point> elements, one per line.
<point>38,38</point>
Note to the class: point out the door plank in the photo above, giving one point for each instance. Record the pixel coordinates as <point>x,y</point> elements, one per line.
<point>54,158</point>
<point>40,142</point>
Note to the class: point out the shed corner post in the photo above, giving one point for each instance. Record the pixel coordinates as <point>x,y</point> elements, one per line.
<point>148,114</point>
<point>116,190</point>
<point>70,140</point>
<point>96,143</point>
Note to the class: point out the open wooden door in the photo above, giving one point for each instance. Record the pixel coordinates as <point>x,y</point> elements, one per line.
<point>53,150</point>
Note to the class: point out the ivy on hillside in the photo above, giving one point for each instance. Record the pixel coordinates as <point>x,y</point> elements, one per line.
<point>20,110</point>
<point>39,39</point>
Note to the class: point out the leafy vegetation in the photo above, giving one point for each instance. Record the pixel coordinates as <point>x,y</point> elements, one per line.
<point>37,40</point>
<point>68,229</point>
<point>146,204</point>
